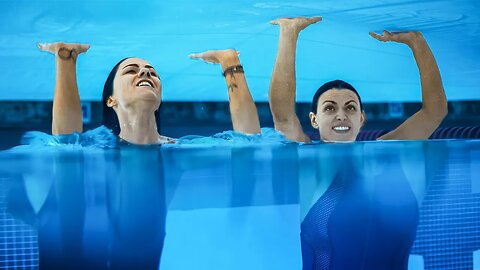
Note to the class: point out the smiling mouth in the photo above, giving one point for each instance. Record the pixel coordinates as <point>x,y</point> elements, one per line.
<point>341,129</point>
<point>145,83</point>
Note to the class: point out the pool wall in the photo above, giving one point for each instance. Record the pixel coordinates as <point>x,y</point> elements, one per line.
<point>208,118</point>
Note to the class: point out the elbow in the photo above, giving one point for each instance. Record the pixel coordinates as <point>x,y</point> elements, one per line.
<point>439,113</point>
<point>443,110</point>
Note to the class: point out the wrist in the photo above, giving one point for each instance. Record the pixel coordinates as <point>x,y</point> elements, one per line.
<point>67,54</point>
<point>289,30</point>
<point>230,60</point>
<point>232,70</point>
<point>417,38</point>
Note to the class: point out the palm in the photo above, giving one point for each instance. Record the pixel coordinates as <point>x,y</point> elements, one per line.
<point>208,56</point>
<point>55,47</point>
<point>298,23</point>
<point>400,37</point>
<point>214,56</point>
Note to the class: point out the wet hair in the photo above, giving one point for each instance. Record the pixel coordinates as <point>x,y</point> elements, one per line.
<point>110,119</point>
<point>336,84</point>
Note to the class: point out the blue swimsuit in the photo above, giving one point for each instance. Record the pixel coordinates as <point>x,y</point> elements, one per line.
<point>352,228</point>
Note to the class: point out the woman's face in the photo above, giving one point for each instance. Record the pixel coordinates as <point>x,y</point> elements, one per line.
<point>338,116</point>
<point>136,81</point>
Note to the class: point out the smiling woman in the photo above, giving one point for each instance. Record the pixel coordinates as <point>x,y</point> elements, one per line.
<point>132,95</point>
<point>336,107</point>
<point>337,114</point>
<point>344,108</point>
<point>131,110</point>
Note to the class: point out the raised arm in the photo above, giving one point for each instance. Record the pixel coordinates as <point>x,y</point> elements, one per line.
<point>283,83</point>
<point>242,108</point>
<point>434,103</point>
<point>67,111</point>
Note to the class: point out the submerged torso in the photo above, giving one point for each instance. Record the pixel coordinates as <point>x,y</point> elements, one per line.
<point>361,224</point>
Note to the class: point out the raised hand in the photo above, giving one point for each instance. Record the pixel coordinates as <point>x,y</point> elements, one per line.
<point>434,103</point>
<point>67,112</point>
<point>64,50</point>
<point>215,56</point>
<point>297,24</point>
<point>408,37</point>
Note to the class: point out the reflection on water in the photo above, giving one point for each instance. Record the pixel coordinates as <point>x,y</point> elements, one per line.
<point>367,216</point>
<point>103,210</point>
<point>245,207</point>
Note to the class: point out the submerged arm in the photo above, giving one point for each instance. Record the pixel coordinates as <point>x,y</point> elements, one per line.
<point>67,111</point>
<point>242,108</point>
<point>434,103</point>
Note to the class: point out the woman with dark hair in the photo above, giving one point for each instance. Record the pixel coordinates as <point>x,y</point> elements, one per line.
<point>131,97</point>
<point>337,111</point>
<point>353,220</point>
<point>109,116</point>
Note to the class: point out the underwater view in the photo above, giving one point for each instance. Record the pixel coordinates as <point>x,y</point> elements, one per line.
<point>242,207</point>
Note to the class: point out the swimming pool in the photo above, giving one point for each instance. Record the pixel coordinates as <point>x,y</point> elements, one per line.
<point>227,207</point>
<point>165,33</point>
<point>237,205</point>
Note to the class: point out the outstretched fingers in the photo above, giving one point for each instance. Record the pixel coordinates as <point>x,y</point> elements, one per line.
<point>407,37</point>
<point>47,47</point>
<point>83,48</point>
<point>298,23</point>
<point>386,36</point>
<point>275,22</point>
<point>199,56</point>
<point>71,49</point>
<point>215,56</point>
<point>208,57</point>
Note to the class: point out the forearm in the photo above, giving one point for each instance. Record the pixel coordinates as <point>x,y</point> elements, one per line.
<point>283,83</point>
<point>283,87</point>
<point>434,101</point>
<point>242,108</point>
<point>67,111</point>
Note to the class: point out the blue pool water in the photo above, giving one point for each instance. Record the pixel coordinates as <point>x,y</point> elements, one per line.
<point>201,206</point>
<point>166,32</point>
